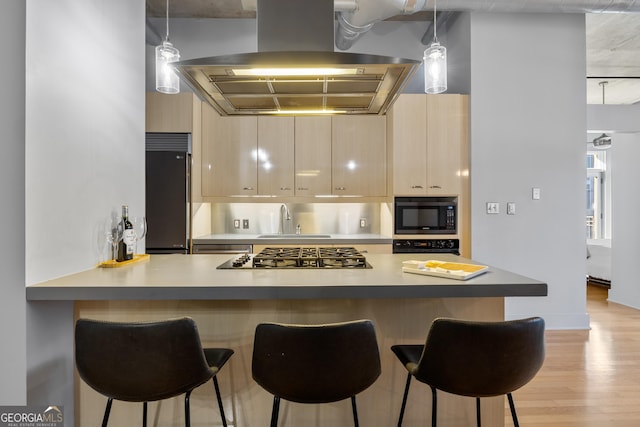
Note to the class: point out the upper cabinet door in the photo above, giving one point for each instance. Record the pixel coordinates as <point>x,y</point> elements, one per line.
<point>275,156</point>
<point>408,127</point>
<point>312,156</point>
<point>447,143</point>
<point>359,156</point>
<point>430,137</point>
<point>229,154</point>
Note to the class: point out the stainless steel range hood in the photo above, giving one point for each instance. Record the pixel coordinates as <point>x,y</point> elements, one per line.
<point>296,70</point>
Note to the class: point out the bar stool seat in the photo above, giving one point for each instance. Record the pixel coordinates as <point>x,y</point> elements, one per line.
<point>145,361</point>
<point>315,363</point>
<point>475,359</point>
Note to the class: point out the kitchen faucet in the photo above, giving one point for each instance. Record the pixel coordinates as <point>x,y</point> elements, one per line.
<point>285,215</point>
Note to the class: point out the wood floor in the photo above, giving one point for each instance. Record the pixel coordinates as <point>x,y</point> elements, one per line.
<point>589,378</point>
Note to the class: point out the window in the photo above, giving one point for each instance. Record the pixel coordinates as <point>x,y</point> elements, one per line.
<point>596,220</point>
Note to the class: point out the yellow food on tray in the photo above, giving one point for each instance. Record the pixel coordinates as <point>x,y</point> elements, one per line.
<point>451,270</point>
<point>454,266</point>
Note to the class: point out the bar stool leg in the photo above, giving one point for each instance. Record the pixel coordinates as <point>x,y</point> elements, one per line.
<point>512,406</point>
<point>144,414</point>
<point>217,388</point>
<point>404,400</point>
<point>187,412</point>
<point>434,406</point>
<point>275,411</point>
<point>355,411</point>
<point>107,411</point>
<point>478,417</point>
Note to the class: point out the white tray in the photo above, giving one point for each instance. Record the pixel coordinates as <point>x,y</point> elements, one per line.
<point>450,270</point>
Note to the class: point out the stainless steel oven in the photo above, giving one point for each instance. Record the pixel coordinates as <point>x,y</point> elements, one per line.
<point>425,246</point>
<point>426,215</point>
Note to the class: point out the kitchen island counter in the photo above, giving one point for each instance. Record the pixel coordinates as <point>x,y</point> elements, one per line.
<point>195,277</point>
<point>228,304</point>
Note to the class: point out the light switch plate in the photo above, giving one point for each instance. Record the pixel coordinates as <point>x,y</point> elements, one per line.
<point>511,208</point>
<point>236,223</point>
<point>535,193</point>
<point>493,207</point>
<point>245,223</point>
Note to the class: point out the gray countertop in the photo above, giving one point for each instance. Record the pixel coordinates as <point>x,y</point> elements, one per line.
<point>195,277</point>
<point>305,239</point>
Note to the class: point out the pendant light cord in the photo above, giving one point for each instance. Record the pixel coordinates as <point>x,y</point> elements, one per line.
<point>603,84</point>
<point>167,39</point>
<point>435,22</point>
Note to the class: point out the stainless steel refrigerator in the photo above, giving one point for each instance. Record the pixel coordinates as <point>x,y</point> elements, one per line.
<point>168,192</point>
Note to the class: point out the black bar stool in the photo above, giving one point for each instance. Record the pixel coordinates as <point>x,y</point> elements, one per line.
<point>315,363</point>
<point>146,361</point>
<point>476,359</point>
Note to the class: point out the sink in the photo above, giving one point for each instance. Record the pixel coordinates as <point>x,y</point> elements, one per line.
<point>294,236</point>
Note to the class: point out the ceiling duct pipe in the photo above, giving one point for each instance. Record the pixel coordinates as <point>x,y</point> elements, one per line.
<point>539,6</point>
<point>353,24</point>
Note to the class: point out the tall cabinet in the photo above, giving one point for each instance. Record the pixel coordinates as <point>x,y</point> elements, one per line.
<point>430,139</point>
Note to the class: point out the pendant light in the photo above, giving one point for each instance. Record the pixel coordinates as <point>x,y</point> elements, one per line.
<point>435,62</point>
<point>167,80</point>
<point>602,142</point>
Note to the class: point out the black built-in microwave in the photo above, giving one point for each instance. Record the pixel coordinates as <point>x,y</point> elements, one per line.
<point>426,215</point>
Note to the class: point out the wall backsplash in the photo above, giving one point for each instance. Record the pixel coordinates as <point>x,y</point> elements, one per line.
<point>264,218</point>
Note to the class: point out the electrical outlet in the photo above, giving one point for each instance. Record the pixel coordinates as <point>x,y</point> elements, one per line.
<point>493,207</point>
<point>245,223</point>
<point>236,223</point>
<point>363,222</point>
<point>511,208</point>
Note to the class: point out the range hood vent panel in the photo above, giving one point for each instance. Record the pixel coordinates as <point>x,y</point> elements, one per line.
<point>372,90</point>
<point>297,34</point>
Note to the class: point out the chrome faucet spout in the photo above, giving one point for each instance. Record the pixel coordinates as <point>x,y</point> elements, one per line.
<point>285,215</point>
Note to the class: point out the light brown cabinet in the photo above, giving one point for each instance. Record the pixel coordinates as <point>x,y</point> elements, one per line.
<point>359,156</point>
<point>312,156</point>
<point>172,113</point>
<point>275,156</point>
<point>229,155</point>
<point>430,144</point>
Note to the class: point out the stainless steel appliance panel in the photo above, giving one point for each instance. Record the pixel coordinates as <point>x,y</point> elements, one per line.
<point>168,201</point>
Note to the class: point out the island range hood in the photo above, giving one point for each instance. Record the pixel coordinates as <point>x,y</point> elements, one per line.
<point>296,70</point>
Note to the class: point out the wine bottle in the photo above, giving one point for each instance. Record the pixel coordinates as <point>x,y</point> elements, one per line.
<point>125,246</point>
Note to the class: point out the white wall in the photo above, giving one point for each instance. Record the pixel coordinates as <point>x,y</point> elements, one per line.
<point>12,301</point>
<point>625,250</point>
<point>85,128</point>
<point>84,159</point>
<point>528,123</point>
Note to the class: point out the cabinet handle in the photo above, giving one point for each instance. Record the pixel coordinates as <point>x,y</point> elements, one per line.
<point>247,188</point>
<point>285,188</point>
<point>303,188</point>
<point>341,188</point>
<point>434,186</point>
<point>417,186</point>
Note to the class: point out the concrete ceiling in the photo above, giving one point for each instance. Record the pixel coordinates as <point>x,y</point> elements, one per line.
<point>613,43</point>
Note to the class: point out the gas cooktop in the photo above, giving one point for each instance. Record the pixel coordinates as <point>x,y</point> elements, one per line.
<point>335,257</point>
